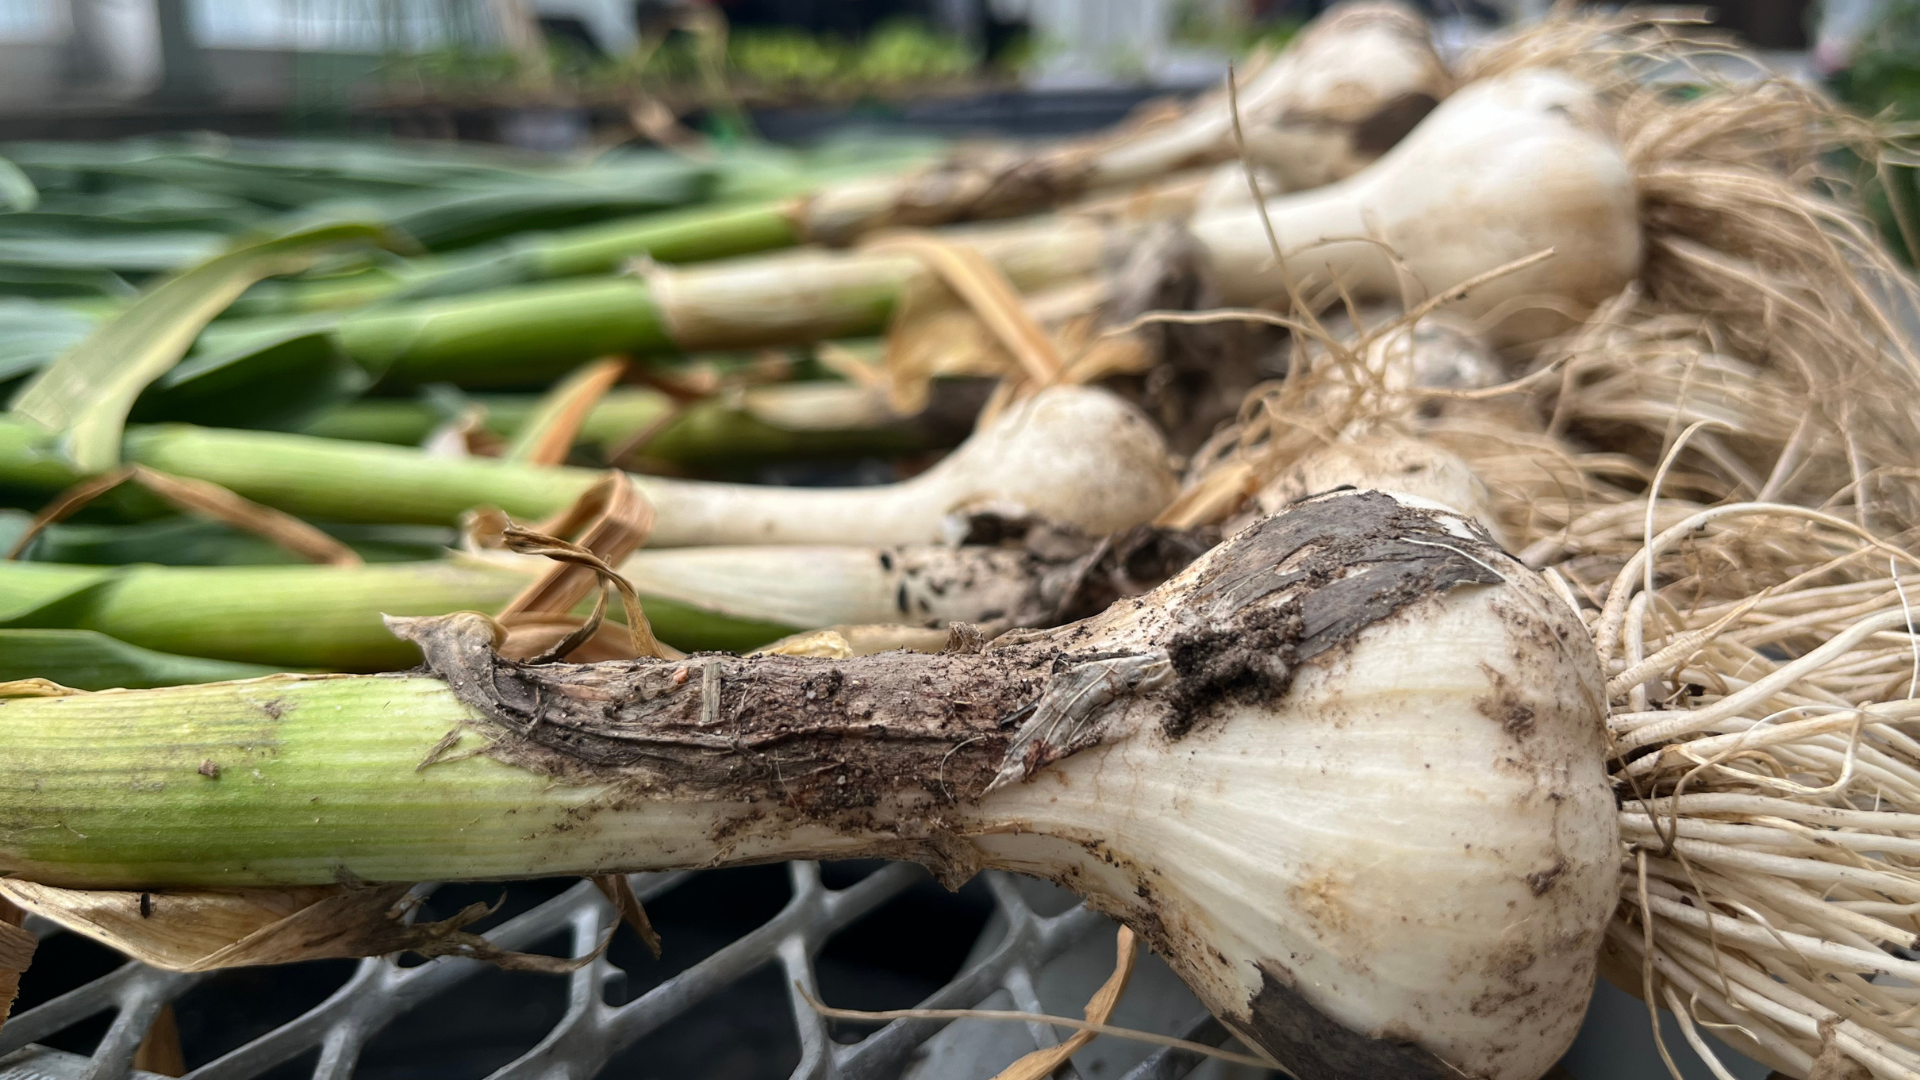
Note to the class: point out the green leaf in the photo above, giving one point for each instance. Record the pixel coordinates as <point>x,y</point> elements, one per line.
<point>33,334</point>
<point>90,660</point>
<point>16,190</point>
<point>135,252</point>
<point>68,559</point>
<point>86,394</point>
<point>55,283</point>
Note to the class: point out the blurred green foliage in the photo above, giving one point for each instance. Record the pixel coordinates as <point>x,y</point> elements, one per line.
<point>758,63</point>
<point>1884,82</point>
<point>1199,24</point>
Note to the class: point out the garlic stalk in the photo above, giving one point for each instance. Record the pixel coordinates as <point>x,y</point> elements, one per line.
<point>1049,576</point>
<point>1506,168</point>
<point>1343,91</point>
<point>1344,773</point>
<point>1071,454</point>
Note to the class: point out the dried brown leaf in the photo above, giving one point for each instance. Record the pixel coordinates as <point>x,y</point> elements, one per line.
<point>160,1052</point>
<point>619,522</point>
<point>1040,1064</point>
<point>619,891</point>
<point>212,500</point>
<point>840,642</point>
<point>36,688</point>
<point>549,434</point>
<point>199,497</point>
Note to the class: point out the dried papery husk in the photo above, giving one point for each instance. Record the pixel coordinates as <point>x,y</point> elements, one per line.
<point>1041,1064</point>
<point>612,520</point>
<point>1341,93</point>
<point>548,436</point>
<point>841,642</point>
<point>970,320</point>
<point>208,929</point>
<point>1080,332</point>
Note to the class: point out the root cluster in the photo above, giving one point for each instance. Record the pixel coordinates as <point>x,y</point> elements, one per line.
<point>1720,469</point>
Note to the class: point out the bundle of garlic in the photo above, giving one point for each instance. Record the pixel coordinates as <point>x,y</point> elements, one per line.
<point>1235,705</point>
<point>1382,793</point>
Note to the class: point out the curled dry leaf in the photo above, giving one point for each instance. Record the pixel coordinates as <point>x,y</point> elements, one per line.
<point>626,903</point>
<point>971,320</point>
<point>989,294</point>
<point>201,498</point>
<point>613,520</point>
<point>1040,1064</point>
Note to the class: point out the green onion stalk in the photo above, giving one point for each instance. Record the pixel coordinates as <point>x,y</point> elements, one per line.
<point>694,234</point>
<point>1541,160</point>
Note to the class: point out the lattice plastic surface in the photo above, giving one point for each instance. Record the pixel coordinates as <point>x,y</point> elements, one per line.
<point>1006,966</point>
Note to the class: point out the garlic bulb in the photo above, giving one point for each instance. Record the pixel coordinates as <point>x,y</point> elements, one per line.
<point>1344,773</point>
<point>1504,169</point>
<point>1347,89</point>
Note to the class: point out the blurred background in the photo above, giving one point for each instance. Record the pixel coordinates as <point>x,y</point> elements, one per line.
<point>568,74</point>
